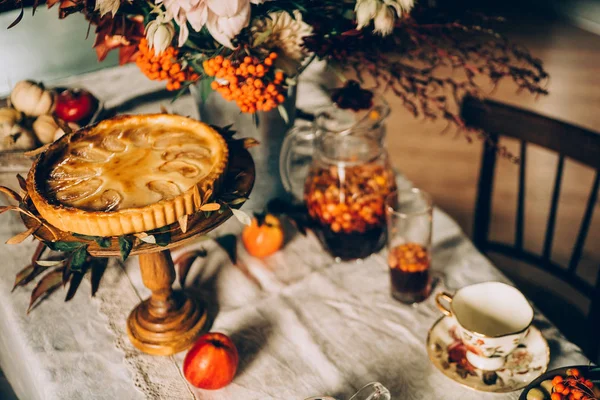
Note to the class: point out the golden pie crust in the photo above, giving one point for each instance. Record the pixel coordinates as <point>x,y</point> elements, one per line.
<point>128,174</point>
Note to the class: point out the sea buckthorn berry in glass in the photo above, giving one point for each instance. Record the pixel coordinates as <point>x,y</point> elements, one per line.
<point>347,207</point>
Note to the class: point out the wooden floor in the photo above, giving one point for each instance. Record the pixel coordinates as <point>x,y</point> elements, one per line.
<point>448,166</point>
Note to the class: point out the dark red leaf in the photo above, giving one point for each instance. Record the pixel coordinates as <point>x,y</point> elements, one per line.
<point>127,54</point>
<point>31,271</point>
<point>184,262</point>
<point>48,284</point>
<point>39,250</point>
<point>18,19</point>
<point>22,182</point>
<point>26,275</point>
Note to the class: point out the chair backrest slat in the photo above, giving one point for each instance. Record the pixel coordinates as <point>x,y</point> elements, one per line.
<point>569,141</point>
<point>585,224</point>
<point>521,198</point>
<point>547,251</point>
<point>483,205</point>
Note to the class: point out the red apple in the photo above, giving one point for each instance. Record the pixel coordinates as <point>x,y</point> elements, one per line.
<point>74,105</point>
<point>212,361</point>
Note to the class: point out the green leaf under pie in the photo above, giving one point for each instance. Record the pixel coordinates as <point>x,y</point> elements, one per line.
<point>103,242</point>
<point>100,241</point>
<point>78,258</point>
<point>125,246</point>
<point>64,246</point>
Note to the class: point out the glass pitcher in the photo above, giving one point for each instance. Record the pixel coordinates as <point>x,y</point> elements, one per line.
<point>348,177</point>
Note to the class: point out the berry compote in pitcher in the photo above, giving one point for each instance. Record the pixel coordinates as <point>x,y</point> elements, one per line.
<point>348,180</point>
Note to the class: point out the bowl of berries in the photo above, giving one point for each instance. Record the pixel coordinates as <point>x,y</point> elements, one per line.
<point>580,382</point>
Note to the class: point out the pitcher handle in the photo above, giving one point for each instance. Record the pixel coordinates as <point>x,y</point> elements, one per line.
<point>293,138</point>
<point>438,300</point>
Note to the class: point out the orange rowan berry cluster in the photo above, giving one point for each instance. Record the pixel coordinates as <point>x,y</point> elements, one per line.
<point>250,82</point>
<point>163,66</point>
<point>573,387</point>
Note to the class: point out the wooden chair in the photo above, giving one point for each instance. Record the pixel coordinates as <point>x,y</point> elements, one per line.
<point>567,141</point>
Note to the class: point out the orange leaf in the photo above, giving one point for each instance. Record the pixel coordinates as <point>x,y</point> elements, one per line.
<point>22,236</point>
<point>197,197</point>
<point>49,283</point>
<point>7,208</point>
<point>207,194</point>
<point>249,142</point>
<point>11,193</point>
<point>183,223</point>
<point>35,152</point>
<point>211,207</point>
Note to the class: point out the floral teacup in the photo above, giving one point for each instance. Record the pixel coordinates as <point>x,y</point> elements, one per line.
<point>492,318</point>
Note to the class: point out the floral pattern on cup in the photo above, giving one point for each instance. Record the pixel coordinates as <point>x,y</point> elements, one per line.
<point>490,347</point>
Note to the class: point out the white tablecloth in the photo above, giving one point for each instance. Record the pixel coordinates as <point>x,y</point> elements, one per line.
<point>304,325</point>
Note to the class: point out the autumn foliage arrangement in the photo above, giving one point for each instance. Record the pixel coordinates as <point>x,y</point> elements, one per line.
<point>251,51</point>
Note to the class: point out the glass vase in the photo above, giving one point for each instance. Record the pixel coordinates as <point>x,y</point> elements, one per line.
<point>268,128</point>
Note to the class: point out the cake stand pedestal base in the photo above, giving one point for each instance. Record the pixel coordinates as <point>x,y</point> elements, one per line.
<point>167,322</point>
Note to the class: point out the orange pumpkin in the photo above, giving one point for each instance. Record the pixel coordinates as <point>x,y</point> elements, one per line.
<point>263,237</point>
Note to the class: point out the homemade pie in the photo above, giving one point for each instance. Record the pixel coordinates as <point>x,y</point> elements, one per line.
<point>128,174</point>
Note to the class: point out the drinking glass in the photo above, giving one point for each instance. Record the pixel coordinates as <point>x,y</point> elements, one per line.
<point>409,221</point>
<point>371,391</point>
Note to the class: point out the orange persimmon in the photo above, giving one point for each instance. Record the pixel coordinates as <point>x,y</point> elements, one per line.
<point>263,238</point>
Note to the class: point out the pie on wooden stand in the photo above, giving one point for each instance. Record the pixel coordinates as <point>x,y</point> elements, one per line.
<point>134,174</point>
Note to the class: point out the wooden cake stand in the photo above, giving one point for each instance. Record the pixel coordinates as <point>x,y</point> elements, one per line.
<point>167,322</point>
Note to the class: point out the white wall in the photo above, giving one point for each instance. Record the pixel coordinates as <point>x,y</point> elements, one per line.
<point>42,47</point>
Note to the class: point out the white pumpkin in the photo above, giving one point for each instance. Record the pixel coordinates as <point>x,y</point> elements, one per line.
<point>9,116</point>
<point>45,128</point>
<point>60,133</point>
<point>16,137</point>
<point>32,99</point>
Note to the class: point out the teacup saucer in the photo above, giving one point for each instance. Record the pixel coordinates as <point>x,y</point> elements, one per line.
<point>448,354</point>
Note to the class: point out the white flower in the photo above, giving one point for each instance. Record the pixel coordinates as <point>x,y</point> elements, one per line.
<point>366,11</point>
<point>224,19</point>
<point>183,11</point>
<point>285,34</point>
<point>383,12</point>
<point>384,21</point>
<point>107,6</point>
<point>159,33</point>
<point>227,18</point>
